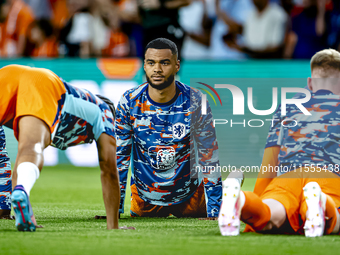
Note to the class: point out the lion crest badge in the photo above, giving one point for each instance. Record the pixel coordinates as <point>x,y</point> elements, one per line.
<point>178,130</point>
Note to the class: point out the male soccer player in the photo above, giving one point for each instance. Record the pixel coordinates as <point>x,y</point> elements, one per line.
<point>159,128</point>
<point>5,179</point>
<point>304,196</point>
<point>43,110</point>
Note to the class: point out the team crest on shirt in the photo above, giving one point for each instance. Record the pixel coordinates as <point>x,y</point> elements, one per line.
<point>162,157</point>
<point>178,130</point>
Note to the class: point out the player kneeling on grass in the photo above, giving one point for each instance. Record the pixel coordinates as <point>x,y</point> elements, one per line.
<point>44,110</point>
<point>304,199</point>
<point>161,130</point>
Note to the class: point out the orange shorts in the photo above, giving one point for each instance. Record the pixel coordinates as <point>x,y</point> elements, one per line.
<point>287,189</point>
<point>194,207</point>
<point>30,91</point>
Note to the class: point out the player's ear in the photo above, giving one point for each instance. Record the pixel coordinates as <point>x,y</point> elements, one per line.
<point>309,83</point>
<point>178,66</point>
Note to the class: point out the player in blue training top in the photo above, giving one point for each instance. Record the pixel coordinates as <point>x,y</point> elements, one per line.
<point>44,110</point>
<point>160,129</point>
<point>5,179</point>
<point>301,193</point>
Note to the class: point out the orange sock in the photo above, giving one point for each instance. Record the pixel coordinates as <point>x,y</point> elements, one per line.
<point>255,212</point>
<point>330,213</point>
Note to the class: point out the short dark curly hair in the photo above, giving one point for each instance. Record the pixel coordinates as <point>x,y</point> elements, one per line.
<point>162,43</point>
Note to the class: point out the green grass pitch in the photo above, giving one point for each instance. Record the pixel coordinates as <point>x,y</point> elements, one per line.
<point>65,199</point>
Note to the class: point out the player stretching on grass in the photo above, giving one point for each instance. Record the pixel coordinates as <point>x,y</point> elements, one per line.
<point>158,125</point>
<point>305,199</point>
<point>44,110</point>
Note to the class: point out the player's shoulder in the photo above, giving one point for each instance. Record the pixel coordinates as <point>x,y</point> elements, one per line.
<point>325,97</point>
<point>326,94</point>
<point>187,90</point>
<point>134,93</point>
<point>103,106</point>
<point>190,95</point>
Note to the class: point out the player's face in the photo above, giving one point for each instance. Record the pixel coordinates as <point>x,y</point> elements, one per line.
<point>160,66</point>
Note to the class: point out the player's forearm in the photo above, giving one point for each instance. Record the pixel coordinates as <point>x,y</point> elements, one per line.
<point>111,195</point>
<point>213,188</point>
<point>265,176</point>
<point>123,163</point>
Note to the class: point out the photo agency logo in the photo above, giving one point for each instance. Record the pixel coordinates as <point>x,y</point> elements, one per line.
<point>238,104</point>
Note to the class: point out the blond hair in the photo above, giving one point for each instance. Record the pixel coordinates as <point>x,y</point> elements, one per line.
<point>327,60</point>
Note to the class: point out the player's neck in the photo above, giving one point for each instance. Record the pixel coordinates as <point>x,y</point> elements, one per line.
<point>162,96</point>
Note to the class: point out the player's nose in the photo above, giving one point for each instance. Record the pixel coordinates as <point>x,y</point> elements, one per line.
<point>157,67</point>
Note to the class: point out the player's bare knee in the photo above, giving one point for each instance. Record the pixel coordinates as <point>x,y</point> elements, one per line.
<point>29,149</point>
<point>278,213</point>
<point>30,152</point>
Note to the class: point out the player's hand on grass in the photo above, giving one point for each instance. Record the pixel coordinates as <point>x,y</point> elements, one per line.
<point>125,227</point>
<point>209,218</point>
<point>102,217</point>
<point>7,217</point>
